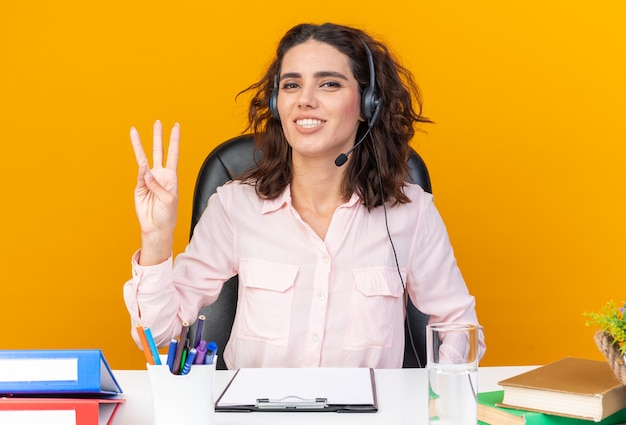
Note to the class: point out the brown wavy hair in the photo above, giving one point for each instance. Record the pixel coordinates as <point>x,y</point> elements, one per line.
<point>401,110</point>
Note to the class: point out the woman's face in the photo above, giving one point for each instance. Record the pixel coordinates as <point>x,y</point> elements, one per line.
<point>318,101</point>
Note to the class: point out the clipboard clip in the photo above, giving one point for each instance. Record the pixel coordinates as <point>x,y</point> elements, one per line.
<point>291,402</point>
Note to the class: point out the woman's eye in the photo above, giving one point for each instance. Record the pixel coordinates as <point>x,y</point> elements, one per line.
<point>288,86</point>
<point>331,84</point>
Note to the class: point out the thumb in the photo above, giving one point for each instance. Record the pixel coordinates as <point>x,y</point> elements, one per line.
<point>155,187</point>
<point>141,174</point>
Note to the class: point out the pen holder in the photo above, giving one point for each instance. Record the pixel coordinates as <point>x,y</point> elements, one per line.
<point>182,399</point>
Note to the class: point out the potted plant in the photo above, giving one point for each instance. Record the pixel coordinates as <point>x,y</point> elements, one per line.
<point>611,337</point>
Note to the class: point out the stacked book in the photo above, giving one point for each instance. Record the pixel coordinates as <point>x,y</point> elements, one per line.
<point>60,387</point>
<point>570,391</point>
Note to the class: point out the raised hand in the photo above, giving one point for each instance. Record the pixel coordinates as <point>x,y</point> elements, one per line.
<point>156,194</point>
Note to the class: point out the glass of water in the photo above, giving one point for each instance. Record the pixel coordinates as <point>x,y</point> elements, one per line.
<point>452,373</point>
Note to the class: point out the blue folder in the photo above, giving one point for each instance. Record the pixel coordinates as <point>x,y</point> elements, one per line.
<point>63,372</point>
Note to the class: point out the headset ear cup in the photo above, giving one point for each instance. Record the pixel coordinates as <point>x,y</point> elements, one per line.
<point>274,105</point>
<point>368,103</point>
<point>274,100</point>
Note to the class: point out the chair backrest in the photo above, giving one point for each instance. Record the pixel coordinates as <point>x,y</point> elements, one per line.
<point>230,160</point>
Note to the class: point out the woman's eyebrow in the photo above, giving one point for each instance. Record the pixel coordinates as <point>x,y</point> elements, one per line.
<point>319,74</point>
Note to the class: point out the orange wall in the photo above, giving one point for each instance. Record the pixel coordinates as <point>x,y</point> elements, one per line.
<point>527,154</point>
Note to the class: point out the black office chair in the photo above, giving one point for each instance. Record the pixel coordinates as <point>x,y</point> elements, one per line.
<point>231,159</point>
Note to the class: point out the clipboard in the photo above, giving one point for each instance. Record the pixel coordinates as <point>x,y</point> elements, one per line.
<point>343,390</point>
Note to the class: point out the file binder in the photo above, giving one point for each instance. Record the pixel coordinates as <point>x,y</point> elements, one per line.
<point>300,390</point>
<point>56,372</point>
<point>60,411</point>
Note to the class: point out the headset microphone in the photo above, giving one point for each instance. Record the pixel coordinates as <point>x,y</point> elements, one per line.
<point>343,158</point>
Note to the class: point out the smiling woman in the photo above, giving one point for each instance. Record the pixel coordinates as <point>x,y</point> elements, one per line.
<point>319,105</point>
<point>325,253</point>
<point>348,54</point>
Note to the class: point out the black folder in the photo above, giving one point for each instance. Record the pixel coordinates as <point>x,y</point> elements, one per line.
<point>345,390</point>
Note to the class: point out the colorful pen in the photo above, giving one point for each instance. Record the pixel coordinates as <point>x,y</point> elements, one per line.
<point>152,345</point>
<point>201,352</point>
<point>199,328</point>
<point>171,353</point>
<point>182,343</point>
<point>144,344</point>
<point>211,350</point>
<point>183,359</point>
<point>190,358</point>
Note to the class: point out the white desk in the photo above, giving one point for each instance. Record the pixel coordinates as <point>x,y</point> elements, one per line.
<point>402,399</point>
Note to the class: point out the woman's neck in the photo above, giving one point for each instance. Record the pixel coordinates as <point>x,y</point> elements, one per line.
<point>316,194</point>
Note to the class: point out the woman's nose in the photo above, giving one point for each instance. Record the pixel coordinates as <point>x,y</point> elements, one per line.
<point>307,98</point>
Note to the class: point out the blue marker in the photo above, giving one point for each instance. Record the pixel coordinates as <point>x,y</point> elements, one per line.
<point>211,350</point>
<point>189,361</point>
<point>152,345</point>
<point>171,354</point>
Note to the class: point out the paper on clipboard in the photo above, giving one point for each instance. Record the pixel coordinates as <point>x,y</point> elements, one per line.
<point>342,389</point>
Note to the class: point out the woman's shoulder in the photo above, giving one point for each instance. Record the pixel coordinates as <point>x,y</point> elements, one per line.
<point>237,190</point>
<point>237,186</point>
<point>417,194</point>
<point>419,202</point>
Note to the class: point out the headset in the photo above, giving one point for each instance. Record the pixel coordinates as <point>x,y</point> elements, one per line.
<point>370,101</point>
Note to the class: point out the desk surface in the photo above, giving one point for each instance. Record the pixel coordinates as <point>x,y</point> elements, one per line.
<point>402,399</point>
